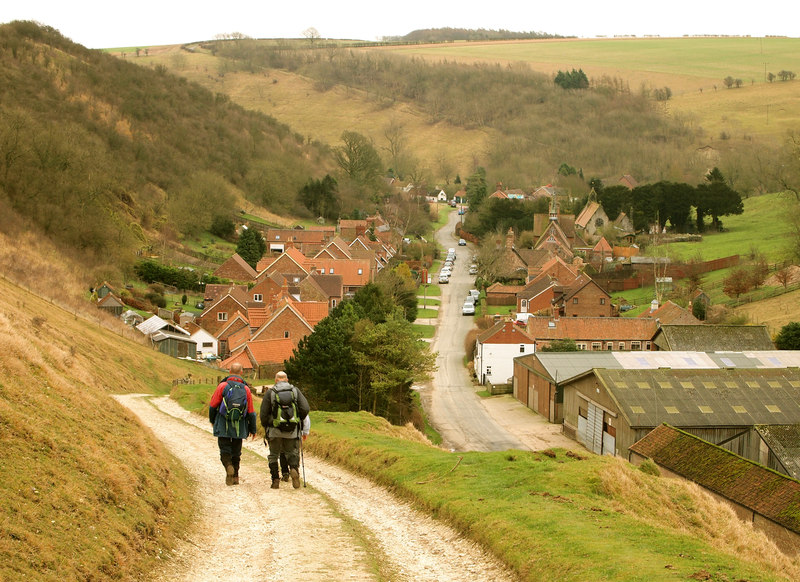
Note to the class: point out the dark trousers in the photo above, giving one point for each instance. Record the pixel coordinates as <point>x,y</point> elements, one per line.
<point>231,448</point>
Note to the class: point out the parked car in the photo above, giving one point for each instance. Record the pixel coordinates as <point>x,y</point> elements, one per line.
<point>462,242</point>
<point>475,294</point>
<point>473,269</point>
<point>470,300</point>
<point>468,309</point>
<point>444,279</point>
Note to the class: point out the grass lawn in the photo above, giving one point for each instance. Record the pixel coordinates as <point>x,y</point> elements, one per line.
<point>762,229</point>
<point>424,330</point>
<point>427,313</point>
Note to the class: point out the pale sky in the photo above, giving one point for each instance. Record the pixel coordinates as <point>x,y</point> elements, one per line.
<point>109,23</point>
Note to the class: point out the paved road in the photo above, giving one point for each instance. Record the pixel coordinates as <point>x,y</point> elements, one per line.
<point>453,406</point>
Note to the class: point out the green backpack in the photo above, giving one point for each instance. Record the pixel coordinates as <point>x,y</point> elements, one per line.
<point>285,415</point>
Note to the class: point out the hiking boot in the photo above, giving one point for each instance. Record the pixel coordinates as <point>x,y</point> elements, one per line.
<point>295,478</point>
<point>276,484</point>
<point>236,479</point>
<point>229,475</point>
<point>285,478</point>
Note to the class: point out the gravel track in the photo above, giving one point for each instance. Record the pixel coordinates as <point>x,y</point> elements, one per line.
<point>340,527</point>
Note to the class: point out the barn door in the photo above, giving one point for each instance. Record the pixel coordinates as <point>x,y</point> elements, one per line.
<point>594,429</point>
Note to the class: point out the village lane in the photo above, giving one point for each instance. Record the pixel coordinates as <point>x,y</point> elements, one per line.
<point>454,408</point>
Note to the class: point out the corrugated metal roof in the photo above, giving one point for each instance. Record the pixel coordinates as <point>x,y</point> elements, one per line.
<point>705,397</point>
<point>562,366</point>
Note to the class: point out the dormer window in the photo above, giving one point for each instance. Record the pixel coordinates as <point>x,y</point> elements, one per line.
<point>222,316</point>
<point>258,297</point>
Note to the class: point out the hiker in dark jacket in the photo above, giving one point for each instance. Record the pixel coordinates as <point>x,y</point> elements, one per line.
<point>231,432</point>
<point>285,438</point>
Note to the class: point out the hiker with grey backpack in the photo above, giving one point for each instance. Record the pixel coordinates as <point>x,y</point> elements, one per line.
<point>231,412</point>
<point>284,416</point>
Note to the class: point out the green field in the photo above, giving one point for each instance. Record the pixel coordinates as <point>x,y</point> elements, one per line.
<point>703,59</point>
<point>760,229</point>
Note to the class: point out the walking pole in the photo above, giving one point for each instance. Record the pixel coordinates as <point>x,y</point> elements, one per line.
<point>302,462</point>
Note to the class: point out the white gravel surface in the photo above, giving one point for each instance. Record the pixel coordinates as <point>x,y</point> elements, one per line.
<point>340,527</point>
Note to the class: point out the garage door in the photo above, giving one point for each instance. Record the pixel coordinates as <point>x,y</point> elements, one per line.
<point>590,429</point>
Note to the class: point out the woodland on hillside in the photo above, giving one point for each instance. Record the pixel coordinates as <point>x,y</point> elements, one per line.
<point>605,131</point>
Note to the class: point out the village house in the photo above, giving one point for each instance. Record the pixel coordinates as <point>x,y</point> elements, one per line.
<point>495,350</point>
<point>594,333</point>
<point>307,240</point>
<point>759,496</point>
<point>670,314</point>
<point>592,219</point>
<point>235,269</point>
<point>350,229</point>
<point>111,303</point>
<point>583,298</point>
<point>207,344</point>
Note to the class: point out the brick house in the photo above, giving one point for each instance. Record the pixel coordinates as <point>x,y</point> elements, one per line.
<point>235,269</point>
<point>595,333</point>
<point>286,322</point>
<point>584,298</point>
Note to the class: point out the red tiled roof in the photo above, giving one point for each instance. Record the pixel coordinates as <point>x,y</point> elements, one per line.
<point>312,311</point>
<point>505,332</point>
<point>591,328</point>
<point>241,358</point>
<point>238,338</point>
<point>671,313</point>
<point>271,351</point>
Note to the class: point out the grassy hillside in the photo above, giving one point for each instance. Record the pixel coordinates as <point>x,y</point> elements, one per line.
<point>109,158</point>
<point>86,494</point>
<point>528,127</point>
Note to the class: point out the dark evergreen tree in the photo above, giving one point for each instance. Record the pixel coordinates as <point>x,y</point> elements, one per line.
<point>251,246</point>
<point>788,337</point>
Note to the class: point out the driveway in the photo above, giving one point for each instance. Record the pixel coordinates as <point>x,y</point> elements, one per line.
<point>465,421</point>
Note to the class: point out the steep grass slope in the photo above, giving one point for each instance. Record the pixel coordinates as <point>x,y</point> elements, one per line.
<point>86,493</point>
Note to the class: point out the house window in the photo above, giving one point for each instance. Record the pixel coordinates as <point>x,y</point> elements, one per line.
<point>609,345</point>
<point>222,316</point>
<point>521,348</point>
<point>602,301</point>
<point>286,334</point>
<point>622,345</point>
<point>361,271</point>
<point>647,346</point>
<point>333,302</point>
<point>574,300</point>
<point>488,370</point>
<point>581,346</point>
<point>597,346</point>
<point>331,270</point>
<point>208,344</point>
<point>258,297</point>
<point>523,306</point>
<point>322,271</point>
<point>636,346</point>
